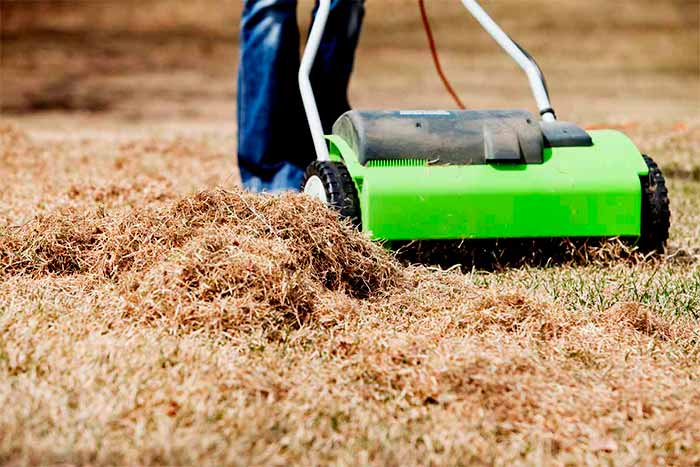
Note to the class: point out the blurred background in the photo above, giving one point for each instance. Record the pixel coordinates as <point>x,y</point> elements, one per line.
<point>125,63</point>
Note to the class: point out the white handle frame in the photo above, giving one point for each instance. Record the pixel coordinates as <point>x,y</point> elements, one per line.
<point>537,85</point>
<point>534,76</point>
<point>307,93</point>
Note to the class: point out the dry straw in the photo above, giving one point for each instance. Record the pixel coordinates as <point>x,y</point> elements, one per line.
<point>142,327</point>
<point>208,258</point>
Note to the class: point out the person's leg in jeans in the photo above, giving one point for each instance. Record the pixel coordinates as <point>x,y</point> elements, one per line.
<point>268,99</point>
<point>274,143</point>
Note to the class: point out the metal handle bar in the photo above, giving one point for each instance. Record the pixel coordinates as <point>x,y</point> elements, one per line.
<point>307,93</point>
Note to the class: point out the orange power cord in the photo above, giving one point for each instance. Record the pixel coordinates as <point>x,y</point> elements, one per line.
<point>436,56</point>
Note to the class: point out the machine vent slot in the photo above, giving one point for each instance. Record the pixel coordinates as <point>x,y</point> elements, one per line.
<point>398,163</point>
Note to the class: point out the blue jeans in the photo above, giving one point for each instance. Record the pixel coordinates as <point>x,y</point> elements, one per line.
<point>274,141</point>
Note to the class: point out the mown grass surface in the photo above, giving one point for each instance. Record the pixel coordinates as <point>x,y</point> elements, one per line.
<point>142,327</point>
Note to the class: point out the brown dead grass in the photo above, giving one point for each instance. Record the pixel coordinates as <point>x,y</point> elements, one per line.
<point>148,317</point>
<point>207,260</point>
<point>225,327</point>
<point>15,145</point>
<point>433,369</point>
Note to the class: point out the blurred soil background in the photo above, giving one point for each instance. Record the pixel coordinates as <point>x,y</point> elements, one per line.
<point>171,61</point>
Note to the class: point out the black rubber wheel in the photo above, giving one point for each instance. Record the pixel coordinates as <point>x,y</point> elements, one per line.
<point>340,191</point>
<point>656,214</point>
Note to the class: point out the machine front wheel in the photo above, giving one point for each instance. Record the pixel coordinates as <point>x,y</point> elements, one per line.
<point>331,183</point>
<point>656,214</point>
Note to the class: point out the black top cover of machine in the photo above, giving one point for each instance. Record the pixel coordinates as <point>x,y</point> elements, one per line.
<point>454,137</point>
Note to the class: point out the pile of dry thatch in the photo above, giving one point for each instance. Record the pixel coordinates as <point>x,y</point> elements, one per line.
<point>213,259</point>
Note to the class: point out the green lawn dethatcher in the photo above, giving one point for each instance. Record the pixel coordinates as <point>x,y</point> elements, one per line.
<point>483,174</point>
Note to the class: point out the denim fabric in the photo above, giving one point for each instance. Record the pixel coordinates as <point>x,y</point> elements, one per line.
<point>274,142</point>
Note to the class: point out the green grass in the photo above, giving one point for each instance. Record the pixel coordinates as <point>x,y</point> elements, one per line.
<point>665,288</point>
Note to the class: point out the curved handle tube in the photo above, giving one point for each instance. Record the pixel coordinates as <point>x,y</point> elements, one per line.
<point>533,72</point>
<point>307,93</point>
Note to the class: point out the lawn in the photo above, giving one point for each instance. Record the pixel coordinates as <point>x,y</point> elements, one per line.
<point>152,313</point>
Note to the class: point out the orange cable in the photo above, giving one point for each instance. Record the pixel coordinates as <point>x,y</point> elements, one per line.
<point>436,56</point>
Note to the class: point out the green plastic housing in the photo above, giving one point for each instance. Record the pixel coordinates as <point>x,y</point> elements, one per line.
<point>577,192</point>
